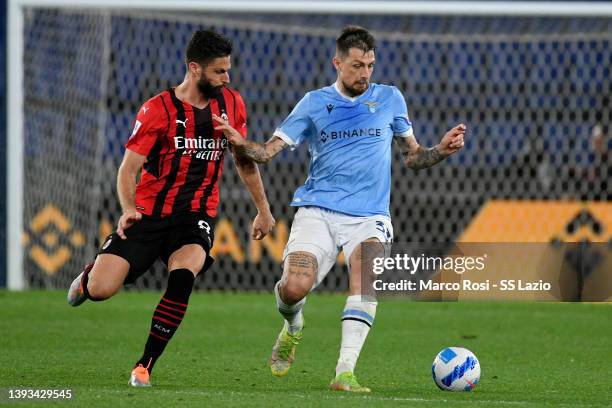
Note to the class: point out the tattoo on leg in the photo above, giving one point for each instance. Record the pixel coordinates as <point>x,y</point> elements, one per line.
<point>302,265</point>
<point>302,261</point>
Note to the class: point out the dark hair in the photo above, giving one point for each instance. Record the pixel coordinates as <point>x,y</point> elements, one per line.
<point>355,37</point>
<point>205,46</point>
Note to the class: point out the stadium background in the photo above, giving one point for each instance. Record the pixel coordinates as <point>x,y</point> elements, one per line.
<point>531,89</point>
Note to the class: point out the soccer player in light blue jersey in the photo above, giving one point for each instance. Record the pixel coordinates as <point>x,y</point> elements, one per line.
<point>349,127</point>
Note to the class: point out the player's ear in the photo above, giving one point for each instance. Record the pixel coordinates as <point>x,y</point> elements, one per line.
<point>194,68</point>
<point>336,62</point>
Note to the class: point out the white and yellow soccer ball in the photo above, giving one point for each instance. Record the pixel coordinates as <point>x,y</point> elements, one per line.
<point>456,369</point>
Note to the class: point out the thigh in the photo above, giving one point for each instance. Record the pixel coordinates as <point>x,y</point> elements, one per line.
<point>299,275</point>
<point>360,229</point>
<point>140,249</point>
<point>189,243</point>
<point>361,274</point>
<point>109,273</point>
<point>311,234</point>
<point>365,238</point>
<point>190,256</point>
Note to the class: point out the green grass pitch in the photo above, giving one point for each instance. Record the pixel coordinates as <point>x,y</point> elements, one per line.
<point>531,354</point>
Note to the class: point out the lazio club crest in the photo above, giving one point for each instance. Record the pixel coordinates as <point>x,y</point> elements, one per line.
<point>371,106</point>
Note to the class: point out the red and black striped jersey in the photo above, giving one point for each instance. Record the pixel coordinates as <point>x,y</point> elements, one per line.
<point>184,152</point>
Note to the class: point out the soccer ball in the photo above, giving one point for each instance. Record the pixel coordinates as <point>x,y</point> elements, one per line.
<point>456,369</point>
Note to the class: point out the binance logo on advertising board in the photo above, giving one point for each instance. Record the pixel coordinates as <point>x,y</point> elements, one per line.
<point>51,240</point>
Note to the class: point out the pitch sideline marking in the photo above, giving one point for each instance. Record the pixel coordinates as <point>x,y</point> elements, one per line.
<point>364,397</point>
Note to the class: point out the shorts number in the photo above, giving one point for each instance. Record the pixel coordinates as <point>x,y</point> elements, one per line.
<point>383,228</point>
<point>204,225</point>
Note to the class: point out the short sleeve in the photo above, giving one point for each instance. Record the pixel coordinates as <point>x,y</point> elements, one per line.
<point>151,122</point>
<point>298,125</point>
<point>402,127</point>
<point>240,121</point>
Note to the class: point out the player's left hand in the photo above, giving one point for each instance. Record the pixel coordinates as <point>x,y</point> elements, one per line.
<point>452,140</point>
<point>231,134</point>
<point>262,225</point>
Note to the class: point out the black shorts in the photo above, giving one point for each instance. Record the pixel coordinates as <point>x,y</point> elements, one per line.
<point>152,238</point>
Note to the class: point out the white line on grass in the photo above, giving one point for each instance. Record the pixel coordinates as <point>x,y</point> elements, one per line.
<point>414,399</point>
<point>330,396</point>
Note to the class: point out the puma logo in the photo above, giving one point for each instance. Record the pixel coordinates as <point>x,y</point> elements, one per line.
<point>183,122</point>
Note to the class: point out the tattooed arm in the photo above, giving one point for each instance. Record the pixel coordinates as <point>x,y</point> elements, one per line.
<point>417,157</point>
<point>257,152</point>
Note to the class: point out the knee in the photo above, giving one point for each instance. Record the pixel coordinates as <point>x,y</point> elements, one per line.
<point>293,291</point>
<point>194,264</point>
<point>100,291</point>
<point>299,276</point>
<point>191,257</point>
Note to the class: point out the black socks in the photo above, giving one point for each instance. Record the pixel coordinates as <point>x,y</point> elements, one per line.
<point>168,315</point>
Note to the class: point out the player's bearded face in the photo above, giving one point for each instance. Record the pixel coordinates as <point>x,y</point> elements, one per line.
<point>356,88</point>
<point>214,77</point>
<point>207,88</point>
<point>355,70</point>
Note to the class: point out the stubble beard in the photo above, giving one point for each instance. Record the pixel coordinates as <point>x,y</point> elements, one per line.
<point>207,89</point>
<point>353,92</point>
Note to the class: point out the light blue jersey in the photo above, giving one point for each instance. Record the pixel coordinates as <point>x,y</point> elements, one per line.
<point>349,142</point>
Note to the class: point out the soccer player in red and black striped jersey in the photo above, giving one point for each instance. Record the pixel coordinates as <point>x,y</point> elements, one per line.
<point>170,213</point>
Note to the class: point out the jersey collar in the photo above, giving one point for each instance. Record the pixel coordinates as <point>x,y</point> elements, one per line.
<point>352,99</point>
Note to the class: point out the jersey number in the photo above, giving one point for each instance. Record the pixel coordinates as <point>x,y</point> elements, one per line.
<point>204,225</point>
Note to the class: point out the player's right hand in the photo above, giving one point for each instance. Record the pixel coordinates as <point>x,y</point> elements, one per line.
<point>127,219</point>
<point>262,225</point>
<point>231,134</point>
<point>452,140</point>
